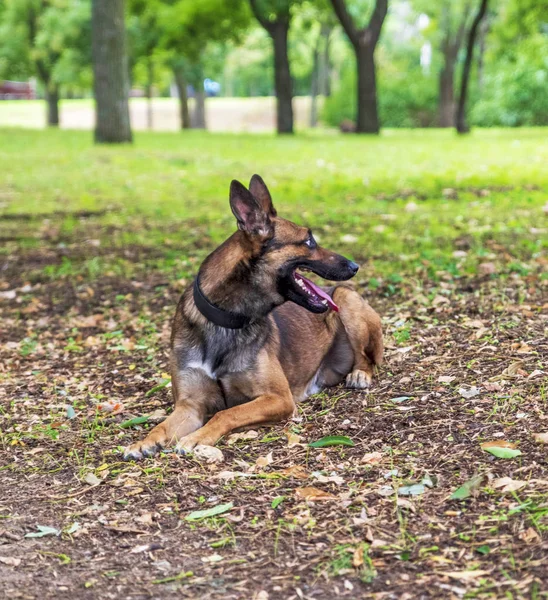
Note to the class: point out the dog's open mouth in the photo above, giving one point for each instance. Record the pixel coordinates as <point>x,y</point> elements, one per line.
<point>314,294</point>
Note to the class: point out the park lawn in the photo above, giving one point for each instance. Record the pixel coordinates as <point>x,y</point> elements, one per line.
<point>97,245</point>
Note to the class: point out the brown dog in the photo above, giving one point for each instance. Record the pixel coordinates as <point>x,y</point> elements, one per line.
<point>240,352</point>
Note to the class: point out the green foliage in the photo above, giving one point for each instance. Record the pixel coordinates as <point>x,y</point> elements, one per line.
<point>407,98</point>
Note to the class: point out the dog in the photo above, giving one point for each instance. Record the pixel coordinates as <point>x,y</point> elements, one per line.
<point>252,336</point>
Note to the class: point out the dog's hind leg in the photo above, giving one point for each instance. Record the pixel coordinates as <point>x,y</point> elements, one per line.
<point>364,332</point>
<point>195,395</point>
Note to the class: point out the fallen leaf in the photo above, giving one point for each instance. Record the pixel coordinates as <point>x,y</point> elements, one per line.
<point>145,518</point>
<point>412,490</point>
<point>465,575</point>
<point>385,491</point>
<point>468,488</point>
<point>146,548</point>
<point>313,494</point>
<point>10,560</point>
<point>332,440</point>
<point>213,558</point>
<point>292,439</point>
<point>541,438</point>
<point>134,421</point>
<point>501,449</point>
<point>92,479</point>
<point>242,436</point>
<point>43,530</point>
<point>508,484</point>
<point>372,458</point>
<point>209,512</point>
<point>357,559</point>
<point>264,461</point>
<point>209,454</point>
<point>469,393</point>
<point>498,444</point>
<point>530,536</point>
<point>333,478</point>
<point>446,378</point>
<point>296,471</point>
<point>277,501</point>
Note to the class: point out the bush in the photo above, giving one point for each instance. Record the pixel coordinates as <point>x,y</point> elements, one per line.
<point>515,90</point>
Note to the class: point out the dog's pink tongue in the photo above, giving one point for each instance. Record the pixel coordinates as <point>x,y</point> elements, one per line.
<point>318,291</point>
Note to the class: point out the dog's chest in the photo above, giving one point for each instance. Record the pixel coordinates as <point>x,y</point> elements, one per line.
<point>222,355</point>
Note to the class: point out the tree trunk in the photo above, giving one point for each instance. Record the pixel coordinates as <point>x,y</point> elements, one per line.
<point>461,124</point>
<point>52,99</point>
<point>484,30</point>
<point>181,83</point>
<point>199,116</point>
<point>315,84</point>
<point>368,118</point>
<point>110,86</point>
<point>150,81</point>
<point>447,94</point>
<point>282,78</point>
<point>325,63</point>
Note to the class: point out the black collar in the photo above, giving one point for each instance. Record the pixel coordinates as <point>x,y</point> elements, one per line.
<point>216,315</point>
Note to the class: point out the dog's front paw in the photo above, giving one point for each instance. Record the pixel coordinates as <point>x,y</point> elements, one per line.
<point>187,444</point>
<point>140,450</point>
<point>358,380</point>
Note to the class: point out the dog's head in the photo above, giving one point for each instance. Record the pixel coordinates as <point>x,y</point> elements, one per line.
<point>280,249</point>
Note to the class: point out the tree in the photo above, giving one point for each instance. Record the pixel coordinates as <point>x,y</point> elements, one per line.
<point>275,17</point>
<point>461,125</point>
<point>110,69</point>
<point>451,42</point>
<point>364,41</point>
<point>41,34</point>
<point>189,32</point>
<point>145,34</point>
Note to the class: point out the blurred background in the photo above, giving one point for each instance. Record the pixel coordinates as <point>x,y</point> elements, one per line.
<point>219,64</point>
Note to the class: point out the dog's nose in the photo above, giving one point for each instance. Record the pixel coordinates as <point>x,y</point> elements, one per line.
<point>353,266</point>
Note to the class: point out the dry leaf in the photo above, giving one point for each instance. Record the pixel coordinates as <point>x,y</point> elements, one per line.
<point>530,536</point>
<point>446,378</point>
<point>292,439</point>
<point>209,454</point>
<point>10,560</point>
<point>372,458</point>
<point>497,444</point>
<point>465,575</point>
<point>92,479</point>
<point>541,438</point>
<point>145,518</point>
<point>508,484</point>
<point>313,494</point>
<point>296,471</point>
<point>242,435</point>
<point>357,559</point>
<point>264,461</point>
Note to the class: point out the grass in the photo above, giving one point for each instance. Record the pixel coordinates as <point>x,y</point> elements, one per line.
<point>406,201</point>
<point>97,244</point>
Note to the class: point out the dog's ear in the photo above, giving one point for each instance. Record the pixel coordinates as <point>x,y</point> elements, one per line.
<point>258,190</point>
<point>249,214</point>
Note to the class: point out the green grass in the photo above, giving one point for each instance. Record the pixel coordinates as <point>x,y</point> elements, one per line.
<point>405,201</point>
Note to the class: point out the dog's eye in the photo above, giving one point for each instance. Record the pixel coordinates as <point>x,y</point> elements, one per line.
<point>310,242</point>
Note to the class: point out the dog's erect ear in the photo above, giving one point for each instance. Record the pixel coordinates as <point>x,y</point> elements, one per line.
<point>258,190</point>
<point>249,214</point>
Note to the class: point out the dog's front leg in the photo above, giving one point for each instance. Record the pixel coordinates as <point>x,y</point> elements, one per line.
<point>195,395</point>
<point>268,408</point>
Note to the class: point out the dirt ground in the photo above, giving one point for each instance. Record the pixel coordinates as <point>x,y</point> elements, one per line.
<point>82,354</point>
<point>222,114</point>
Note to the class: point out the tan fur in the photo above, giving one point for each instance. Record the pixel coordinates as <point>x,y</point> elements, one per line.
<point>304,350</point>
